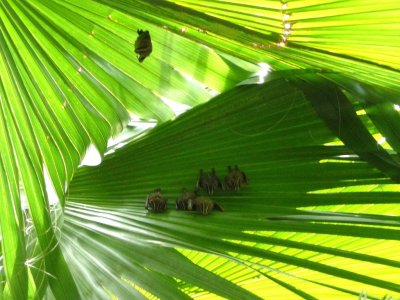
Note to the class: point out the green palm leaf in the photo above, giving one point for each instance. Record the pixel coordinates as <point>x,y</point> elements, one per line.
<point>283,134</point>
<point>319,217</point>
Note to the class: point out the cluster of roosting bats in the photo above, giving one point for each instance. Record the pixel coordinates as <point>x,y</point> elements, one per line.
<point>206,183</point>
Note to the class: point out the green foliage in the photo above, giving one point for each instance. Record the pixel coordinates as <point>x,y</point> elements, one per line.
<point>318,141</point>
<point>282,147</point>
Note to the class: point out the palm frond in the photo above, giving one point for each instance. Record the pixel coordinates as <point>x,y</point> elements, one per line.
<point>318,141</point>
<point>288,227</point>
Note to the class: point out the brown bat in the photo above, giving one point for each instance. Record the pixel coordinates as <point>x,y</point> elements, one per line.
<point>183,200</point>
<point>235,179</point>
<point>143,45</point>
<point>203,205</point>
<point>156,202</point>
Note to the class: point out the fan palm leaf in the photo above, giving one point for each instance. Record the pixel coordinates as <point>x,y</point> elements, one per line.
<point>319,146</point>
<point>285,140</point>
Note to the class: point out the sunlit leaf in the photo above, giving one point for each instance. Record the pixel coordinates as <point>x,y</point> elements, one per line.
<point>304,99</point>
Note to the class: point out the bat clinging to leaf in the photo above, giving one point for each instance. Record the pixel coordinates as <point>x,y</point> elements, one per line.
<point>143,45</point>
